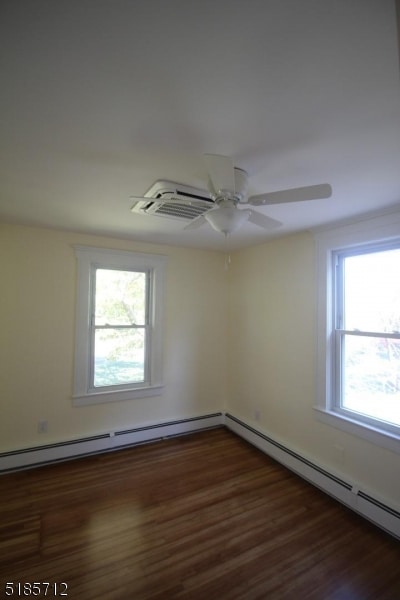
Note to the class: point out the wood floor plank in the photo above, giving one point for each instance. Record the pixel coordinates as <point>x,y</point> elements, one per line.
<point>203,516</point>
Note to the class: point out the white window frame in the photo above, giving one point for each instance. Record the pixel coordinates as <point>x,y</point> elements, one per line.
<point>88,260</point>
<point>374,230</point>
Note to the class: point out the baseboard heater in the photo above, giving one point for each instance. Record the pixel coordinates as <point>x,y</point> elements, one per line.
<point>376,511</point>
<point>60,451</point>
<point>349,493</point>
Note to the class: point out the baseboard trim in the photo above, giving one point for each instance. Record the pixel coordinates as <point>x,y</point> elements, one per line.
<point>26,458</point>
<point>347,492</point>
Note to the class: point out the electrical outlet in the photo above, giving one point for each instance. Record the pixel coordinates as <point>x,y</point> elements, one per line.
<point>43,426</point>
<point>257,414</point>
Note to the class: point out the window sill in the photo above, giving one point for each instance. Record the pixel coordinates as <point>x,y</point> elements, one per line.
<point>116,396</point>
<point>374,435</point>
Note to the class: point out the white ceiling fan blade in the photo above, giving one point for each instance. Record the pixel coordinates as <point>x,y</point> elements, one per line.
<point>262,220</point>
<point>196,223</point>
<point>300,194</point>
<point>221,172</point>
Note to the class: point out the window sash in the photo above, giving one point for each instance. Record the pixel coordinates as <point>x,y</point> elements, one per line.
<point>148,294</point>
<point>110,326</point>
<point>130,383</point>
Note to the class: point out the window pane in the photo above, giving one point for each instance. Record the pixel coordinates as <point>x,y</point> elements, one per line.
<point>120,297</point>
<point>372,291</point>
<point>371,377</point>
<point>119,356</point>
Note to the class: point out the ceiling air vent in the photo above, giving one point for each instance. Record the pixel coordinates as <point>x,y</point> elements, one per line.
<point>177,201</point>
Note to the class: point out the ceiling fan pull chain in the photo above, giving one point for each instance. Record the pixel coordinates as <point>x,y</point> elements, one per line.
<point>227,253</point>
<point>227,261</point>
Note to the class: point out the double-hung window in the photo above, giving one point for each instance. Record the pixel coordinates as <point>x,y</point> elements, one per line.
<point>367,334</point>
<point>118,326</point>
<point>358,350</point>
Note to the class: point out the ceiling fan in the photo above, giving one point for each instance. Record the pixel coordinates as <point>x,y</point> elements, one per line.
<point>227,187</point>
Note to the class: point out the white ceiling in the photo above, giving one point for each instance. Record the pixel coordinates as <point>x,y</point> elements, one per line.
<point>100,98</point>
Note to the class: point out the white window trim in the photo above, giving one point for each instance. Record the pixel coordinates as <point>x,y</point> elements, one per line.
<point>384,228</point>
<point>87,258</point>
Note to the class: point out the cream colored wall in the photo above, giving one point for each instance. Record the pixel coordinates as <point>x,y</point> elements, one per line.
<point>266,356</point>
<point>272,363</point>
<point>37,306</point>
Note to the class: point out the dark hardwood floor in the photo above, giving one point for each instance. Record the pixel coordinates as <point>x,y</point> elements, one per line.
<point>204,516</point>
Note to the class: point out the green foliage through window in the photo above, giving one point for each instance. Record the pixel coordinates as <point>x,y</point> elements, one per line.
<point>120,327</point>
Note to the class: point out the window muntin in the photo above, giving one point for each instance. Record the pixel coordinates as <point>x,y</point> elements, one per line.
<point>367,335</point>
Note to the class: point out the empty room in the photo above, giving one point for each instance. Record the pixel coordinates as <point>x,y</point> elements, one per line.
<point>200,299</point>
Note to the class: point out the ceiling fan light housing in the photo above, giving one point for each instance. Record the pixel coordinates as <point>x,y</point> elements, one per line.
<point>226,218</point>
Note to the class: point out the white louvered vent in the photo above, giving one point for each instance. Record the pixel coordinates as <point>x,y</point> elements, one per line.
<point>178,201</point>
